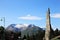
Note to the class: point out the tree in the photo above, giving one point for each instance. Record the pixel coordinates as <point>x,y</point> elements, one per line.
<point>2,35</point>
<point>28,37</point>
<point>24,37</point>
<point>56,32</point>
<point>51,33</point>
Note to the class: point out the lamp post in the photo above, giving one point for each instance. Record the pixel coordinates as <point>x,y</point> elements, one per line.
<point>3,20</point>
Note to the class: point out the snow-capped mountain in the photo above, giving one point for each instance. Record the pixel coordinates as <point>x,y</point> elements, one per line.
<point>17,27</point>
<point>20,27</point>
<point>24,28</point>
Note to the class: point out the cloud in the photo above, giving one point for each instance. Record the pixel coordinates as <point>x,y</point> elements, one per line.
<point>56,15</point>
<point>29,17</point>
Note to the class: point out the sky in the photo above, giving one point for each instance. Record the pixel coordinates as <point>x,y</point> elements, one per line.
<point>30,12</point>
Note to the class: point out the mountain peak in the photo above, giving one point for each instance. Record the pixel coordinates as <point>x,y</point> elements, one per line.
<point>31,25</point>
<point>20,27</point>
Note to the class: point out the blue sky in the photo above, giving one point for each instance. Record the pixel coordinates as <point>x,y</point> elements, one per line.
<point>30,12</point>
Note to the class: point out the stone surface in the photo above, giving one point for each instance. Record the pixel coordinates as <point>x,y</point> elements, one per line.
<point>48,25</point>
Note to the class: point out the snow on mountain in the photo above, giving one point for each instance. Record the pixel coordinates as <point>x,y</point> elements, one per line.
<point>24,28</point>
<point>21,27</point>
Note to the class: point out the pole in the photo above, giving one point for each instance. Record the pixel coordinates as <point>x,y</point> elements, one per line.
<point>4,21</point>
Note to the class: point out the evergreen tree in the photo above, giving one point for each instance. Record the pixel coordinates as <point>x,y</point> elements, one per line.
<point>56,32</point>
<point>2,35</point>
<point>24,37</point>
<point>28,37</point>
<point>51,33</point>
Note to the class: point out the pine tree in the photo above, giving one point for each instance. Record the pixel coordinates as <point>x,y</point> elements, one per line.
<point>2,35</point>
<point>28,37</point>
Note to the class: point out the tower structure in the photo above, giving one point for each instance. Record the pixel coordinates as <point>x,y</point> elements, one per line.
<point>48,25</point>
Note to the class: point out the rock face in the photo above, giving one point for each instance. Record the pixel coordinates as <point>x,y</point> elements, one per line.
<point>29,29</point>
<point>48,25</point>
<point>16,27</point>
<point>21,27</point>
